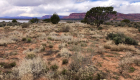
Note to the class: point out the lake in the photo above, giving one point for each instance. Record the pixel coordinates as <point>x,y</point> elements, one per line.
<point>21,21</point>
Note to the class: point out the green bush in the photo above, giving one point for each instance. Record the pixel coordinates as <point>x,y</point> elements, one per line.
<point>65,61</point>
<point>64,71</point>
<point>14,21</point>
<point>121,38</point>
<point>47,20</point>
<point>34,20</point>
<point>129,40</point>
<point>28,40</point>
<point>8,65</point>
<point>126,21</point>
<point>55,18</point>
<point>100,28</point>
<point>54,67</point>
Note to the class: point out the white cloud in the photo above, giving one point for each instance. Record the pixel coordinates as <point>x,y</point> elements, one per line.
<point>62,7</point>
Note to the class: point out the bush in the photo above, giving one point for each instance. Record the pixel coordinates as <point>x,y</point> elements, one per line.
<point>64,71</point>
<point>8,65</point>
<point>34,20</point>
<point>100,28</point>
<point>65,29</point>
<point>65,61</point>
<point>126,21</point>
<point>139,29</point>
<point>29,40</point>
<point>30,56</point>
<point>23,39</point>
<point>25,25</point>
<point>55,18</point>
<point>14,21</point>
<point>54,67</point>
<point>47,20</point>
<point>129,40</point>
<point>121,38</point>
<point>50,46</point>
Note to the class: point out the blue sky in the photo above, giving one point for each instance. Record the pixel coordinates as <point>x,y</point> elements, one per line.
<point>39,8</point>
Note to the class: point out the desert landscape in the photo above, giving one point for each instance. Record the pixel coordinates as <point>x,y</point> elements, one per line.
<point>69,51</point>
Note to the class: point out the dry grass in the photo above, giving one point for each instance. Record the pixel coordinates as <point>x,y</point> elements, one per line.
<point>120,47</point>
<point>34,66</point>
<point>64,52</point>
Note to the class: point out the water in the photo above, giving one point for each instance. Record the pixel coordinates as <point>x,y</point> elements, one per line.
<point>21,21</point>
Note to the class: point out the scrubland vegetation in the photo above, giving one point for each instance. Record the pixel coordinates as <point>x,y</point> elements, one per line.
<point>70,51</point>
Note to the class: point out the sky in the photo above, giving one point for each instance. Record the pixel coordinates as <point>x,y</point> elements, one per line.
<point>38,8</point>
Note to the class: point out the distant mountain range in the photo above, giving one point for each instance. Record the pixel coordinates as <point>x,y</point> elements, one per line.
<point>80,16</point>
<point>19,17</point>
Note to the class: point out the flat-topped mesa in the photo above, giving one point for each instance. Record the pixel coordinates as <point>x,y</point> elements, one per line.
<point>75,16</point>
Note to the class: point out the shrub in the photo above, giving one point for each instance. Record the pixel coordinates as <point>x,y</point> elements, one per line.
<point>50,46</point>
<point>139,29</point>
<point>100,28</point>
<point>29,40</point>
<point>55,18</point>
<point>34,66</point>
<point>25,25</point>
<point>30,56</point>
<point>34,20</point>
<point>64,72</point>
<point>126,21</point>
<point>54,67</point>
<point>8,65</point>
<point>65,61</point>
<point>121,38</point>
<point>65,29</point>
<point>131,69</point>
<point>129,40</point>
<point>23,39</point>
<point>47,20</point>
<point>14,21</point>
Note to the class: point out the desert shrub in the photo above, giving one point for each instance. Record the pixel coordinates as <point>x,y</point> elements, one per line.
<point>65,61</point>
<point>129,40</point>
<point>29,40</point>
<point>126,21</point>
<point>55,18</point>
<point>47,20</point>
<point>14,21</point>
<point>131,69</point>
<point>121,38</point>
<point>30,56</point>
<point>8,65</point>
<point>23,39</point>
<point>100,28</point>
<point>35,66</point>
<point>129,25</point>
<point>83,44</point>
<point>54,67</point>
<point>107,23</point>
<point>139,29</point>
<point>50,46</point>
<point>25,25</point>
<point>34,20</point>
<point>65,29</point>
<point>64,71</point>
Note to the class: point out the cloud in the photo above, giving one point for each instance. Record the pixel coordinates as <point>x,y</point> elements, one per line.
<point>62,7</point>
